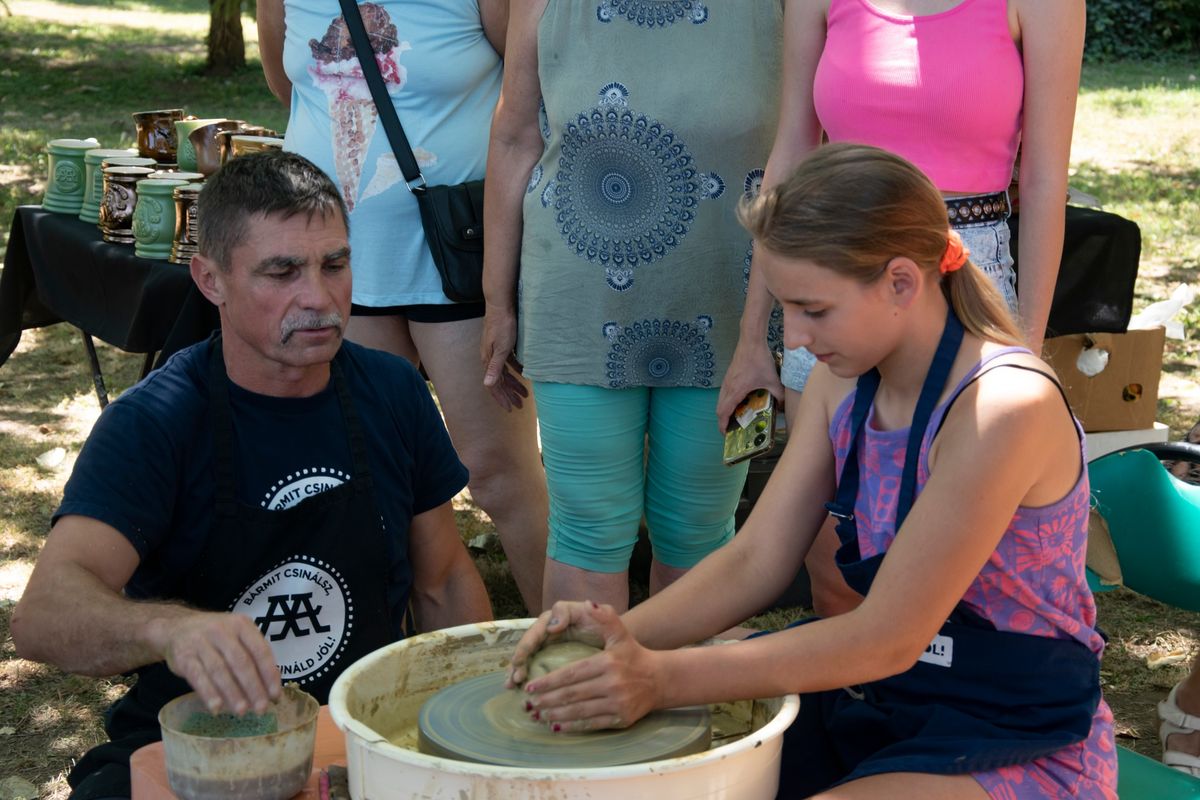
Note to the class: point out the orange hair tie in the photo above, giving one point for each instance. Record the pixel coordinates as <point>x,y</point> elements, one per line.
<point>955,255</point>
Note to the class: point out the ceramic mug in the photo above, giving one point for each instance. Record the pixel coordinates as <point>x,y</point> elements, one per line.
<point>185,153</point>
<point>177,175</point>
<point>206,145</point>
<point>184,245</point>
<point>94,180</point>
<point>66,181</point>
<point>154,218</point>
<point>156,133</point>
<point>127,161</point>
<point>119,201</point>
<point>241,144</point>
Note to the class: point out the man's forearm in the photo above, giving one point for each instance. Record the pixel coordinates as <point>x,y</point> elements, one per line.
<point>80,625</point>
<point>461,599</point>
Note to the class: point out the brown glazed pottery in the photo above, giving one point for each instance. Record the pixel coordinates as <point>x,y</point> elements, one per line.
<point>119,200</point>
<point>184,246</point>
<point>205,142</point>
<point>156,133</point>
<point>241,144</point>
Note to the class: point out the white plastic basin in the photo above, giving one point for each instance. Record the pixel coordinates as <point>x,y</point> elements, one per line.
<point>376,700</point>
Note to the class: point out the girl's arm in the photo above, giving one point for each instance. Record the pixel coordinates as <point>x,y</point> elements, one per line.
<point>953,528</point>
<point>797,133</point>
<point>745,576</point>
<point>1052,51</point>
<point>270,48</point>
<point>514,147</point>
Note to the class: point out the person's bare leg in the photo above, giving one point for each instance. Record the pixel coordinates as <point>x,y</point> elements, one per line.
<point>565,582</point>
<point>500,448</point>
<point>662,575</point>
<point>1187,697</point>
<point>389,334</point>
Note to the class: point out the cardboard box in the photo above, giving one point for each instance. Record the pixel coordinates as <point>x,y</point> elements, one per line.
<point>1121,396</point>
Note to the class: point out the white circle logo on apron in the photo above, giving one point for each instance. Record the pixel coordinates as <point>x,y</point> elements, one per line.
<point>303,609</point>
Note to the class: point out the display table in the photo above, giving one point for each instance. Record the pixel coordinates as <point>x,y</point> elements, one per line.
<point>148,767</point>
<point>58,269</point>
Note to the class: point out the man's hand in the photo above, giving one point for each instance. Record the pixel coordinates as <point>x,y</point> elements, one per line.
<point>224,658</point>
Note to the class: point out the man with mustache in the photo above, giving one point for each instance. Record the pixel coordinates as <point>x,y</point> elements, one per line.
<point>271,503</point>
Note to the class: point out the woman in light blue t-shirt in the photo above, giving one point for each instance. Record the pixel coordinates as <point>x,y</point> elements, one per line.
<point>441,62</point>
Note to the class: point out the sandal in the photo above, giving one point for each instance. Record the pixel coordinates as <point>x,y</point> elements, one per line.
<point>1175,720</point>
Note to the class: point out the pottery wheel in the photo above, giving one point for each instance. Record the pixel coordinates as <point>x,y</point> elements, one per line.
<point>479,720</point>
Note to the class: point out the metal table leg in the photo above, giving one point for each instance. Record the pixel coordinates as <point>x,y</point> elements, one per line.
<point>147,365</point>
<point>97,376</point>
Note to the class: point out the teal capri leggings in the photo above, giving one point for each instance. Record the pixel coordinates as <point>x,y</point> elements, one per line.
<point>601,483</point>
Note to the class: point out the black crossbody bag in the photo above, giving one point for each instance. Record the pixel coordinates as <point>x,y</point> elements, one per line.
<point>452,215</point>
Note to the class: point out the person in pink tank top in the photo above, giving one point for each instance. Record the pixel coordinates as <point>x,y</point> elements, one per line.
<point>955,86</point>
<point>948,454</point>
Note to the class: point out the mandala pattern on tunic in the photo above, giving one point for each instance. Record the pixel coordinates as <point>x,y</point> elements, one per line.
<point>627,188</point>
<point>535,178</point>
<point>753,183</point>
<point>543,120</point>
<point>653,13</point>
<point>659,352</point>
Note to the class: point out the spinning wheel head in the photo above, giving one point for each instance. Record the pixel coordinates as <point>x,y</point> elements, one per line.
<point>479,720</point>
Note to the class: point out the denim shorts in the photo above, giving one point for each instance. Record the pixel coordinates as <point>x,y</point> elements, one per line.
<point>989,246</point>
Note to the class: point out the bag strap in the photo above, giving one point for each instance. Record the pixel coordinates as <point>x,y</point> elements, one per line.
<point>383,102</point>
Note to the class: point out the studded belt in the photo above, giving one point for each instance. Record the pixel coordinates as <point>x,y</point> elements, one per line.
<point>977,208</point>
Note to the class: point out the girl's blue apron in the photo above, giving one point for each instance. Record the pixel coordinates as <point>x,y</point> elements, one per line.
<point>978,699</point>
<point>339,527</point>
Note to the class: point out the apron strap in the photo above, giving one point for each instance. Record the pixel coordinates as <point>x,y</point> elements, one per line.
<point>222,416</point>
<point>931,390</point>
<point>222,420</point>
<point>842,507</point>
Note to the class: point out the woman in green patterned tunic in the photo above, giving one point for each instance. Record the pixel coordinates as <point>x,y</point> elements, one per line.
<point>626,133</point>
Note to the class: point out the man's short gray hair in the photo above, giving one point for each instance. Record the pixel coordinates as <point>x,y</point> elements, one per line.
<point>270,182</point>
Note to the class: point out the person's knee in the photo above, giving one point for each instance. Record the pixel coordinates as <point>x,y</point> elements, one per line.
<point>682,541</point>
<point>501,476</point>
<point>605,546</point>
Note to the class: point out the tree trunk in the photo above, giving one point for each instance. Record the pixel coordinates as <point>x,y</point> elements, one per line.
<point>226,49</point>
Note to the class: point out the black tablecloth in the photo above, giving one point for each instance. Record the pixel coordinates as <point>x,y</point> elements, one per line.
<point>57,268</point>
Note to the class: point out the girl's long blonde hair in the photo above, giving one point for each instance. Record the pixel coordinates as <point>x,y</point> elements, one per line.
<point>852,208</point>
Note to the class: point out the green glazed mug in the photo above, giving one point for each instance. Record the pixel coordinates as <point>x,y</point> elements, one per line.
<point>93,191</point>
<point>185,153</point>
<point>154,218</point>
<point>66,182</point>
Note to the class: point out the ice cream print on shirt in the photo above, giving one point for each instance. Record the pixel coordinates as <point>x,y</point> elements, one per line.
<point>352,112</point>
<point>303,609</point>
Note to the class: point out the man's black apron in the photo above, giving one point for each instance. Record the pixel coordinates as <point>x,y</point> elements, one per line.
<point>978,699</point>
<point>332,545</point>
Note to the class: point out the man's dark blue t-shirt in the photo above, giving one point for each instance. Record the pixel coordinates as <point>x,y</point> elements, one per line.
<point>147,467</point>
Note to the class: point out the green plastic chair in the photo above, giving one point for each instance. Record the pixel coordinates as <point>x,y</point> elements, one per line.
<point>1154,521</point>
<point>1142,778</point>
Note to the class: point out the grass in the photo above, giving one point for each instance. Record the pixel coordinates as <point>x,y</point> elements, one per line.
<point>80,67</point>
